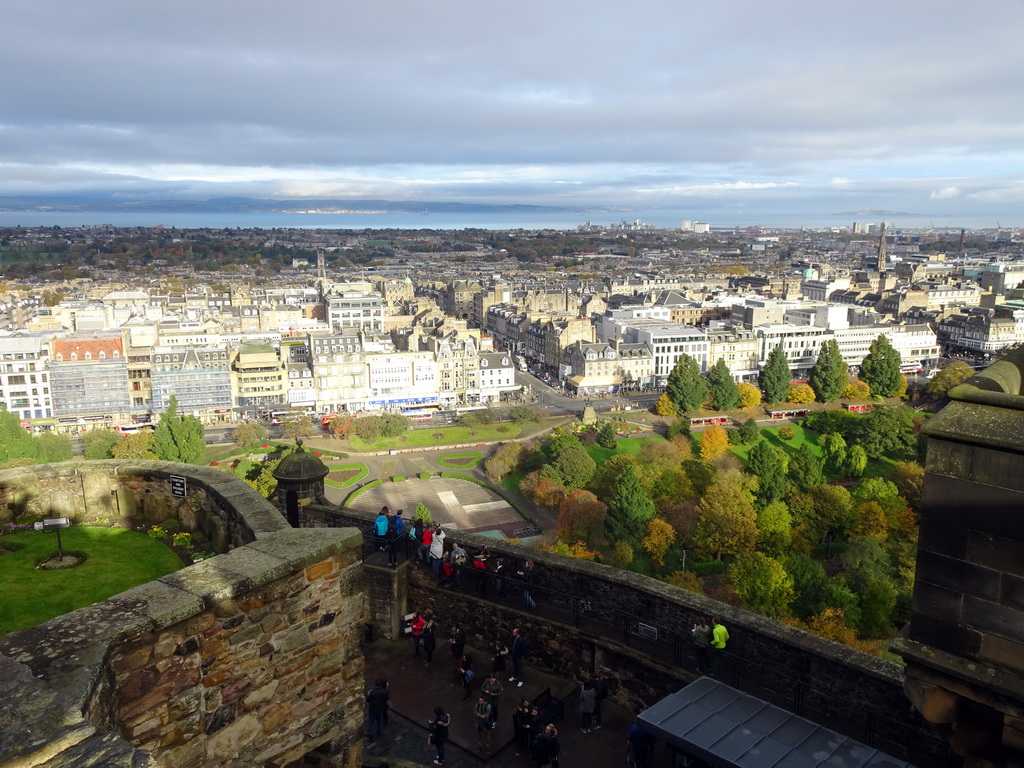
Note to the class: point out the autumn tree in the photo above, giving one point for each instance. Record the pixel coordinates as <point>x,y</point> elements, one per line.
<point>948,377</point>
<point>750,396</point>
<point>762,583</point>
<point>774,529</point>
<point>628,510</point>
<point>249,435</point>
<point>909,479</point>
<point>179,438</point>
<point>660,536</point>
<point>342,427</point>
<point>580,517</point>
<point>857,390</point>
<point>137,446</point>
<point>774,378</point>
<point>714,443</point>
<point>871,521</point>
<point>605,482</point>
<point>548,492</point>
<point>665,406</point>
<point>881,368</point>
<point>888,431</point>
<point>687,388</point>
<point>722,386</point>
<point>829,375</point>
<point>726,522</point>
<point>800,393</point>
<point>296,426</point>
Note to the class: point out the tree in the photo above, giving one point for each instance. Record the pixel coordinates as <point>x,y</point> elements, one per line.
<point>580,517</point>
<point>762,583</point>
<point>909,479</point>
<point>748,432</point>
<point>98,443</point>
<point>422,513</point>
<point>250,435</point>
<point>948,377</point>
<point>342,427</point>
<point>606,480</point>
<point>137,446</point>
<point>660,536</point>
<point>750,396</point>
<point>575,466</point>
<point>548,492</point>
<point>881,368</point>
<point>833,451</point>
<point>686,386</point>
<point>800,393</point>
<point>768,464</point>
<point>856,461</point>
<point>521,413</point>
<point>722,385</point>
<point>296,426</point>
<point>606,435</point>
<point>53,447</point>
<point>774,378</point>
<point>628,510</point>
<point>871,521</point>
<point>15,442</point>
<point>774,529</point>
<point>726,522</point>
<point>179,438</point>
<point>857,390</point>
<point>714,443</point>
<point>887,432</point>
<point>665,406</point>
<point>805,468</point>
<point>829,375</point>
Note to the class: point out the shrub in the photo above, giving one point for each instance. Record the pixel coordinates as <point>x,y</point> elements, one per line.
<point>786,433</point>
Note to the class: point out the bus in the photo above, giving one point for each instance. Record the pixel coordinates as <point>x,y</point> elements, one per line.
<point>910,369</point>
<point>132,429</point>
<point>276,417</point>
<point>421,412</point>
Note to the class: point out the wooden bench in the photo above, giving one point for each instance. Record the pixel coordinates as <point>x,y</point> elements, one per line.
<point>548,708</point>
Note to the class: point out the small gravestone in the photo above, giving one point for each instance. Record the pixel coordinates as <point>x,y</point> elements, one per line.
<point>589,415</point>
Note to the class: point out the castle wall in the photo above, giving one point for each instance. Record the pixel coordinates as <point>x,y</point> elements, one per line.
<point>252,657</point>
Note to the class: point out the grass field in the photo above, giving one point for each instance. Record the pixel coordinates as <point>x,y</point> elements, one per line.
<point>344,475</point>
<point>116,560</point>
<point>460,460</point>
<point>803,436</point>
<point>424,438</point>
<point>629,445</point>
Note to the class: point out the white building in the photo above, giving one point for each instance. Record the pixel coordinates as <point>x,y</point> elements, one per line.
<point>497,375</point>
<point>24,380</point>
<point>667,342</point>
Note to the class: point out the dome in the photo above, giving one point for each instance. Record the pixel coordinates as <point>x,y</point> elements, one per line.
<point>810,273</point>
<point>300,466</point>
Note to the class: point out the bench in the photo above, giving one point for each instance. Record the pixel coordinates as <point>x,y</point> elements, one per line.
<point>548,708</point>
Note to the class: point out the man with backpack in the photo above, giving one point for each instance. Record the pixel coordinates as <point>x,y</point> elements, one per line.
<point>396,530</point>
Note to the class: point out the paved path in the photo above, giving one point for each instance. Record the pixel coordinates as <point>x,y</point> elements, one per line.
<point>416,689</point>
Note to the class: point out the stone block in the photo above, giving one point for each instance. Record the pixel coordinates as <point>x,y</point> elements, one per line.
<point>998,468</point>
<point>163,604</point>
<point>319,570</point>
<point>945,635</point>
<point>991,617</point>
<point>304,547</point>
<point>997,552</point>
<point>212,580</point>
<point>1012,594</point>
<point>258,566</point>
<point>949,458</point>
<point>230,741</point>
<point>1002,652</point>
<point>937,601</point>
<point>944,539</point>
<point>958,575</point>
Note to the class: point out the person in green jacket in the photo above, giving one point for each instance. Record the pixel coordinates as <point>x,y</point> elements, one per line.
<point>719,637</point>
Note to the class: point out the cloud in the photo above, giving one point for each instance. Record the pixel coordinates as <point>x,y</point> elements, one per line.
<point>946,193</point>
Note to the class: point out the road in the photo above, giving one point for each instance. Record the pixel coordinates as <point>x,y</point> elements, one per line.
<point>557,402</point>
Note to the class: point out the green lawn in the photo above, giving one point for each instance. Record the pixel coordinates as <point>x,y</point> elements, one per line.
<point>801,436</point>
<point>116,560</point>
<point>424,438</point>
<point>629,445</point>
<point>344,475</point>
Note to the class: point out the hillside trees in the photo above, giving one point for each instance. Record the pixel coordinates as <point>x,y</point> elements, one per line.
<point>629,510</point>
<point>685,386</point>
<point>179,438</point>
<point>726,522</point>
<point>948,377</point>
<point>769,465</point>
<point>722,386</point>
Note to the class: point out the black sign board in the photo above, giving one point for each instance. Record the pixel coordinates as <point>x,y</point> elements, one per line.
<point>179,486</point>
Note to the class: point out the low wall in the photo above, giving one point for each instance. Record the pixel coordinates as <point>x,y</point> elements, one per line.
<point>594,618</point>
<point>252,657</point>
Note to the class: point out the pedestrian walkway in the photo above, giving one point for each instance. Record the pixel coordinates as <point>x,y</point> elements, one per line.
<point>417,688</point>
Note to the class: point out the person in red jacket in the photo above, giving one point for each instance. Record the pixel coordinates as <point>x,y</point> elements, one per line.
<point>417,624</point>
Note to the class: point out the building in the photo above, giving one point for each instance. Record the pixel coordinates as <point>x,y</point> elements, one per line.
<point>199,377</point>
<point>347,307</point>
<point>24,379</point>
<point>89,381</point>
<point>258,380</point>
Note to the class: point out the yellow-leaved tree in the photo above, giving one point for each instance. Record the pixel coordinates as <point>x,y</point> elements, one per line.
<point>714,443</point>
<point>750,396</point>
<point>800,393</point>
<point>660,536</point>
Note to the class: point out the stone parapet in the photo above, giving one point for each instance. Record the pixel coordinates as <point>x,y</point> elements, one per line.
<point>250,657</point>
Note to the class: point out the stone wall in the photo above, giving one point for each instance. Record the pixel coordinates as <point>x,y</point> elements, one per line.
<point>134,493</point>
<point>252,657</point>
<point>588,620</point>
<point>964,645</point>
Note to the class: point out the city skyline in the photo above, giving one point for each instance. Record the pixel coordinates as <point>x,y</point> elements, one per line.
<point>745,111</point>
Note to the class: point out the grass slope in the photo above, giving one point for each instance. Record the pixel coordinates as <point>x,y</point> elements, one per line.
<point>116,560</point>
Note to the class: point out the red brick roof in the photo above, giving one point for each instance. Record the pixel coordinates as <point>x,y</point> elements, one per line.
<point>111,349</point>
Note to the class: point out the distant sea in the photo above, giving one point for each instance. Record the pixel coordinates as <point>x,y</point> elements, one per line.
<point>499,220</point>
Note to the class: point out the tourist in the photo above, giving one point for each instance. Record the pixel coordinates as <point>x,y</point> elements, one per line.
<point>702,644</point>
<point>429,638</point>
<point>601,689</point>
<point>500,655</point>
<point>439,733</point>
<point>458,560</point>
<point>522,723</point>
<point>491,690</point>
<point>482,721</point>
<point>380,526</point>
<point>499,577</point>
<point>457,641</point>
<point>554,745</point>
<point>588,700</point>
<point>464,673</point>
<point>437,550</point>
<point>639,746</point>
<point>416,627</point>
<point>540,750</point>
<point>376,707</point>
<point>526,580</point>
<point>426,538</point>
<point>719,637</point>
<point>396,532</point>
<point>518,651</point>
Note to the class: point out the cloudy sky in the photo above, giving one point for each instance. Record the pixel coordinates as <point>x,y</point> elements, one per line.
<point>740,105</point>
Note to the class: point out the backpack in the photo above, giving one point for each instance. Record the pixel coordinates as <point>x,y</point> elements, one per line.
<point>381,524</point>
<point>395,525</point>
<point>460,558</point>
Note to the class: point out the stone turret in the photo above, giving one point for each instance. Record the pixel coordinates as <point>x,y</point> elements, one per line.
<point>964,645</point>
<point>300,481</point>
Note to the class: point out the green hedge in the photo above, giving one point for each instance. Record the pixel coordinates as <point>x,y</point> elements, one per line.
<point>397,478</point>
<point>424,475</point>
<point>357,491</point>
